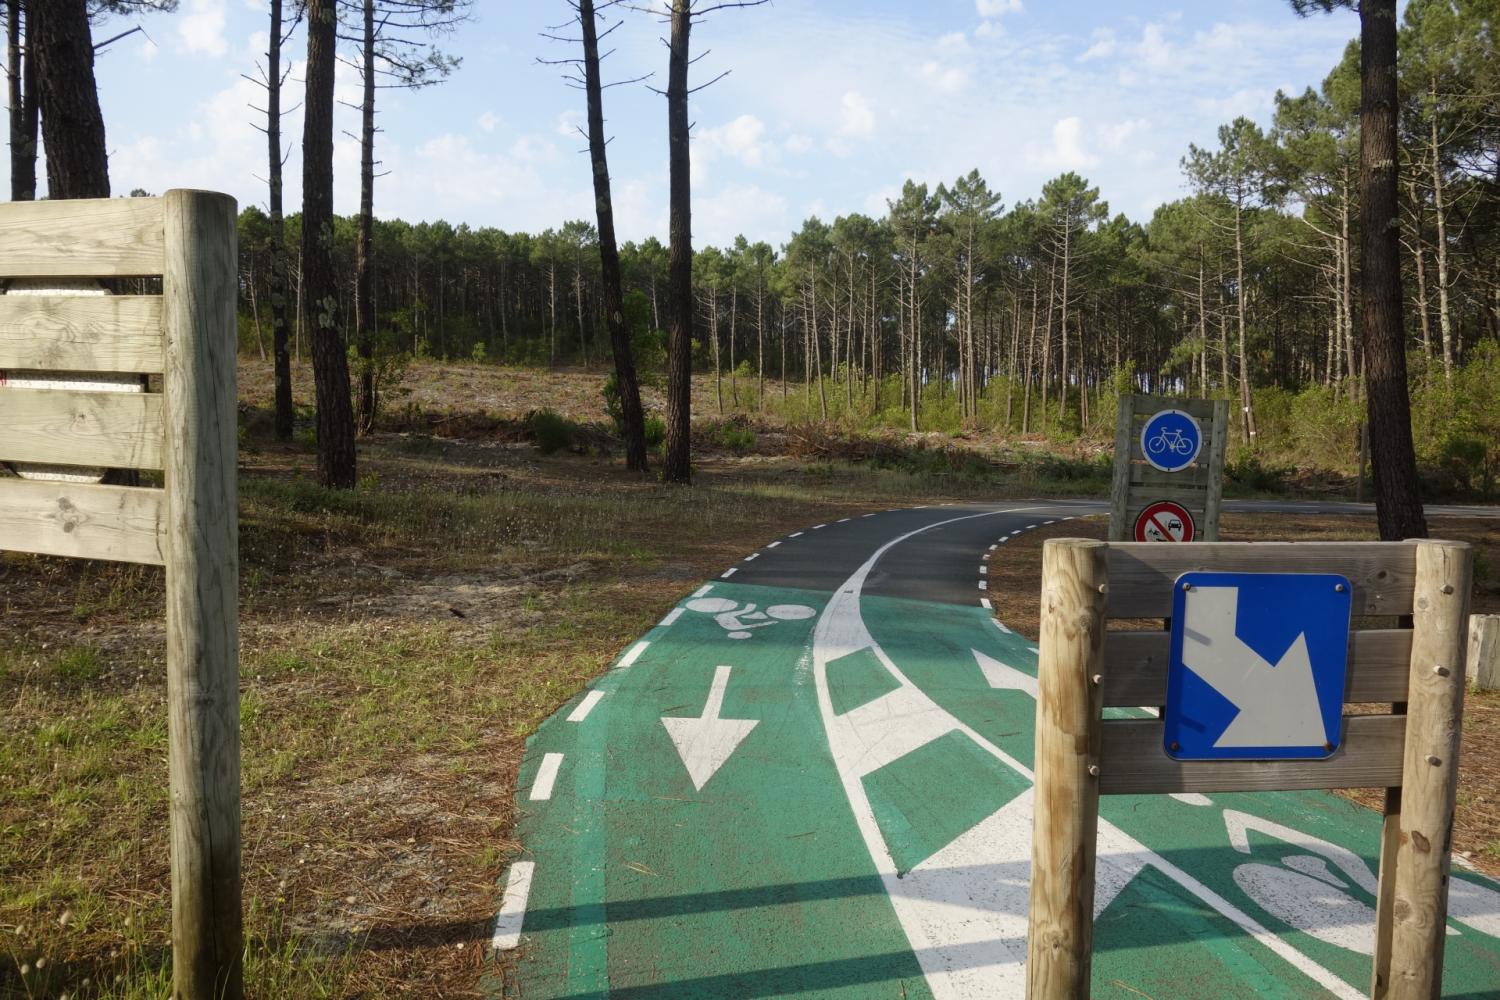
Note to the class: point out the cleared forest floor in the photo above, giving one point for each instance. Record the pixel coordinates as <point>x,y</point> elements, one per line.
<point>400,641</point>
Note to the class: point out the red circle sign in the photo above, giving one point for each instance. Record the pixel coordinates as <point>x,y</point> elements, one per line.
<point>1165,521</point>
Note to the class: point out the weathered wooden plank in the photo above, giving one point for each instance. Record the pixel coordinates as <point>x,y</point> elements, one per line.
<point>116,430</point>
<point>199,287</point>
<point>1135,667</point>
<point>83,521</point>
<point>1429,783</point>
<point>1141,574</point>
<point>1133,762</point>
<point>81,333</point>
<point>1065,821</point>
<point>1145,477</point>
<point>82,238</point>
<point>1484,652</point>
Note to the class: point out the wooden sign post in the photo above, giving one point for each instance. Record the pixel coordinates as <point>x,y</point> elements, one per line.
<point>187,431</point>
<point>1085,667</point>
<point>1139,484</point>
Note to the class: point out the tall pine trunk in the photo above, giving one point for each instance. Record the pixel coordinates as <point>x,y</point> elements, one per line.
<point>58,36</point>
<point>24,121</point>
<point>633,426</point>
<point>364,284</point>
<point>677,465</point>
<point>281,355</point>
<point>1398,502</point>
<point>335,421</point>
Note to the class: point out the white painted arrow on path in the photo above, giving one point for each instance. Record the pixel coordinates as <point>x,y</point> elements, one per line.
<point>704,743</point>
<point>1278,704</point>
<point>1003,675</point>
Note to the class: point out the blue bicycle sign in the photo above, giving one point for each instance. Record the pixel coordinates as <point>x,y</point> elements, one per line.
<point>1171,440</point>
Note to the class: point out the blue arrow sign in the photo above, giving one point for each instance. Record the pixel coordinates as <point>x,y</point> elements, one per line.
<point>1257,666</point>
<point>1171,440</point>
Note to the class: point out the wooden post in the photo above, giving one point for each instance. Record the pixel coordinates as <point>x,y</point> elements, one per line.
<point>1119,493</point>
<point>199,289</point>
<point>1217,442</point>
<point>1435,702</point>
<point>1484,652</point>
<point>1060,940</point>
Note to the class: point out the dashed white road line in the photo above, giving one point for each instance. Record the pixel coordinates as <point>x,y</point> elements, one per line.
<point>753,555</point>
<point>634,654</point>
<point>842,520</point>
<point>1004,540</point>
<point>795,534</point>
<point>586,706</point>
<point>774,544</point>
<point>672,616</point>
<point>1001,626</point>
<point>985,603</point>
<point>513,907</point>
<point>1029,527</point>
<point>546,777</point>
<point>991,549</point>
<point>1016,532</point>
<point>703,590</point>
<point>1038,652</point>
<point>871,514</point>
<point>983,570</point>
<point>729,572</point>
<point>817,526</point>
<point>984,585</point>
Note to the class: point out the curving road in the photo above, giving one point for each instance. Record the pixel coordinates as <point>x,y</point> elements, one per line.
<point>812,778</point>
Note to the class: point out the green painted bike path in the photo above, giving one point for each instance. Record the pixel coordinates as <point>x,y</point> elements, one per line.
<point>869,835</point>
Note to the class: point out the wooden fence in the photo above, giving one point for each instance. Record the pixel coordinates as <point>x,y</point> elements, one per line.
<point>1416,671</point>
<point>184,427</point>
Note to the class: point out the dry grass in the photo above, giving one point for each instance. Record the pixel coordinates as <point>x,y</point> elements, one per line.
<point>1014,583</point>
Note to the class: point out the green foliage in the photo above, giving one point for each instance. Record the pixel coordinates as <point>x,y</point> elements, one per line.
<point>731,435</point>
<point>551,432</point>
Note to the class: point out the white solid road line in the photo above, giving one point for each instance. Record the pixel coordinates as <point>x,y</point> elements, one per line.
<point>672,616</point>
<point>586,706</point>
<point>634,654</point>
<point>513,907</point>
<point>729,572</point>
<point>546,777</point>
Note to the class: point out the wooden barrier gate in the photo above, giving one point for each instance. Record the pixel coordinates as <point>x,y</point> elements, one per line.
<point>183,426</point>
<point>1417,672</point>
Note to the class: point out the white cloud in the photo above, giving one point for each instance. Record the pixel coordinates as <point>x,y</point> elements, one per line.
<point>946,78</point>
<point>200,26</point>
<point>722,214</point>
<point>1066,151</point>
<point>1104,45</point>
<point>743,138</point>
<point>998,8</point>
<point>1154,50</point>
<point>1247,101</point>
<point>858,117</point>
<point>1114,137</point>
<point>488,120</point>
<point>568,123</point>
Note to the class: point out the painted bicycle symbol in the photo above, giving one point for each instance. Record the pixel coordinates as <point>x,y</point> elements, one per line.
<point>1170,440</point>
<point>738,621</point>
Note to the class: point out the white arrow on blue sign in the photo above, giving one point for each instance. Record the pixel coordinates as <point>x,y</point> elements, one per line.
<point>1257,666</point>
<point>1171,440</point>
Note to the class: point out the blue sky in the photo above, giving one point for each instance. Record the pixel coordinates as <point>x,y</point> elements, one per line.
<point>829,106</point>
